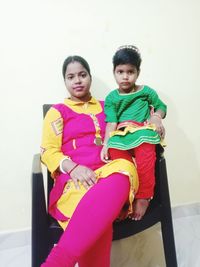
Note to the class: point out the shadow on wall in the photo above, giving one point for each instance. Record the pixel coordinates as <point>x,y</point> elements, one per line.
<point>99,89</point>
<point>181,157</point>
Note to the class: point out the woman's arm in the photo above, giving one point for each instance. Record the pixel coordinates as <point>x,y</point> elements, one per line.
<point>54,159</point>
<point>51,154</point>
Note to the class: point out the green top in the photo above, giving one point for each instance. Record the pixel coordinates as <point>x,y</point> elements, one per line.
<point>133,106</point>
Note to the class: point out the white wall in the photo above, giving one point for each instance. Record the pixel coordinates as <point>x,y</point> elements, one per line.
<point>36,36</point>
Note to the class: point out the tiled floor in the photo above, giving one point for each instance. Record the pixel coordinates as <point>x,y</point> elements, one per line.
<point>142,250</point>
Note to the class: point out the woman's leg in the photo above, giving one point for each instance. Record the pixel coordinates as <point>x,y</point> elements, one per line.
<point>94,215</point>
<point>99,254</point>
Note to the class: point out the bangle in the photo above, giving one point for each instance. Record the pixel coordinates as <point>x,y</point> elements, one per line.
<point>76,165</point>
<point>61,162</point>
<point>157,115</point>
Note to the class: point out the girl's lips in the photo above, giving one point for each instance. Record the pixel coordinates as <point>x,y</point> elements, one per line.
<point>125,83</point>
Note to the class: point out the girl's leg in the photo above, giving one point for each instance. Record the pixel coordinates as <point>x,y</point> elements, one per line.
<point>120,154</point>
<point>99,254</point>
<point>93,216</point>
<point>145,157</point>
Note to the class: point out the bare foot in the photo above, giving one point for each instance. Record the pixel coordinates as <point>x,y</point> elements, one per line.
<point>140,206</point>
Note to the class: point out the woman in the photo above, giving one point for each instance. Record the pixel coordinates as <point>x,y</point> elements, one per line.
<point>88,194</point>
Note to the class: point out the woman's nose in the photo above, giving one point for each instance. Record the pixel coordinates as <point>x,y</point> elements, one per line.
<point>77,79</point>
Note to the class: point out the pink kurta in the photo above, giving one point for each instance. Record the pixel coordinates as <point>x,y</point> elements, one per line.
<point>77,143</point>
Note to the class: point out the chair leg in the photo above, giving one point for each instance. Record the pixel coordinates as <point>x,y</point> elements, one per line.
<point>39,221</point>
<point>166,218</point>
<point>169,244</point>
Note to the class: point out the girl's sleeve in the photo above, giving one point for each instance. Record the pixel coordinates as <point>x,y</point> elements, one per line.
<point>51,154</point>
<point>156,102</point>
<point>110,110</point>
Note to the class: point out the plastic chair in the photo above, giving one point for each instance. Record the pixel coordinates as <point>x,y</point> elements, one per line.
<point>46,231</point>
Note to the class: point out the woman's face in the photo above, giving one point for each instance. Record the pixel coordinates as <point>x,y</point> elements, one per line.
<point>78,81</point>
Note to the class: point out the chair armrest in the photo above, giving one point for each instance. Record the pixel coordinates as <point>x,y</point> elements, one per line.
<point>36,165</point>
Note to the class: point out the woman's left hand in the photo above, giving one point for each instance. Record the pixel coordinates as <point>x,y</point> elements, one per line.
<point>160,129</point>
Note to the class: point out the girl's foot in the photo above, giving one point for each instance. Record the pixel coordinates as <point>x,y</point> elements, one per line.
<point>140,206</point>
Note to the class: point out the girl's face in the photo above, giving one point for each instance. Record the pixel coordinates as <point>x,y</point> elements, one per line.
<point>126,76</point>
<point>78,81</point>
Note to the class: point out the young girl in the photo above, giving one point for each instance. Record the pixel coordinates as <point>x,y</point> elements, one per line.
<point>134,124</point>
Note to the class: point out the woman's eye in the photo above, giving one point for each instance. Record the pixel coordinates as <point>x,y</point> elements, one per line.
<point>83,75</point>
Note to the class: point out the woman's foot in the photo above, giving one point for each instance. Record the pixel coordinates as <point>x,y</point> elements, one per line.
<point>140,206</point>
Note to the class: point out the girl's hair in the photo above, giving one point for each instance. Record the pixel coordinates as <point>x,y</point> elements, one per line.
<point>72,59</point>
<point>127,54</point>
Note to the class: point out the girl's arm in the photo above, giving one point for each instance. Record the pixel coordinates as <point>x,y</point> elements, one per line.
<point>156,118</point>
<point>110,127</point>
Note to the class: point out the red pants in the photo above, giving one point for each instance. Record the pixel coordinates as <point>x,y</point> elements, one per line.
<point>88,236</point>
<point>145,157</point>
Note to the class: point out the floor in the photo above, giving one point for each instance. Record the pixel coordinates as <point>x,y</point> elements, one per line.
<point>142,250</point>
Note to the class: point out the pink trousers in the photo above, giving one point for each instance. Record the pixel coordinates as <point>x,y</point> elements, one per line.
<point>88,236</point>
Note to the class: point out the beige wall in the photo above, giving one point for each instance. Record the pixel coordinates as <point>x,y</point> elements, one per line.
<point>36,36</point>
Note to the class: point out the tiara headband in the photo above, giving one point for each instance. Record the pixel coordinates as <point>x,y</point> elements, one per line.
<point>134,48</point>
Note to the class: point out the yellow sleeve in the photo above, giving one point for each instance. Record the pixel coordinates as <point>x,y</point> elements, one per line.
<point>51,153</point>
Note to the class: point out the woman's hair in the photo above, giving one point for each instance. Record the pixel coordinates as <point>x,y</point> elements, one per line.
<point>72,59</point>
<point>127,54</point>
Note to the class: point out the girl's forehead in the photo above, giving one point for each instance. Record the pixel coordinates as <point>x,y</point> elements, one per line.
<point>126,67</point>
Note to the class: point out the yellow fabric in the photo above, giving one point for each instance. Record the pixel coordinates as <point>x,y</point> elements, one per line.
<point>71,196</point>
<point>51,153</point>
<point>132,129</point>
<point>92,106</point>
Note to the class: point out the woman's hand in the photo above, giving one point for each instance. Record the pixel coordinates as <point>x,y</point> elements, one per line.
<point>159,126</point>
<point>104,154</point>
<point>84,175</point>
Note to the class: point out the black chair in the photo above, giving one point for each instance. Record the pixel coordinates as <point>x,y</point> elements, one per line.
<point>46,231</point>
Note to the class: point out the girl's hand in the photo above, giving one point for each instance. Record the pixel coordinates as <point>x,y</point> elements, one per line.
<point>104,154</point>
<point>159,126</point>
<point>84,175</point>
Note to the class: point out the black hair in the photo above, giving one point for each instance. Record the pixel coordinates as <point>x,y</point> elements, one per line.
<point>72,59</point>
<point>128,54</point>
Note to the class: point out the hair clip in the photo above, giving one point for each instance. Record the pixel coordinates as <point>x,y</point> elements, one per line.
<point>134,48</point>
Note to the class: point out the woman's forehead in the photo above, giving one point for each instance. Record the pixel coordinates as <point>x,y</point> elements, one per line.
<point>75,67</point>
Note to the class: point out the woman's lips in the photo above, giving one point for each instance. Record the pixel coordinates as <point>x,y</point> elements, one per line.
<point>78,88</point>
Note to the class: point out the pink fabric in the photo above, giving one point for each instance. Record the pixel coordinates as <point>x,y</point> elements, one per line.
<point>78,128</point>
<point>103,203</point>
<point>99,254</point>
